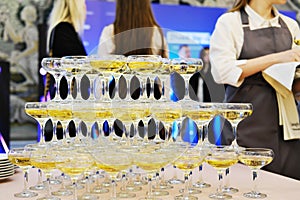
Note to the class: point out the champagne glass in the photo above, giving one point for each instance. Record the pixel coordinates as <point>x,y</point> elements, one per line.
<point>61,111</point>
<point>113,161</point>
<point>164,75</point>
<point>21,158</point>
<point>221,158</point>
<point>186,67</point>
<point>130,112</point>
<point>190,159</point>
<point>234,113</point>
<point>167,113</point>
<point>144,66</point>
<point>46,160</point>
<point>104,113</point>
<point>53,66</point>
<point>38,111</point>
<point>85,111</point>
<point>74,166</point>
<point>255,158</point>
<point>201,114</point>
<point>108,65</point>
<point>76,66</point>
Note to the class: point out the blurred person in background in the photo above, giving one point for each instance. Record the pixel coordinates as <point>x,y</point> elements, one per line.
<point>248,39</point>
<point>133,32</point>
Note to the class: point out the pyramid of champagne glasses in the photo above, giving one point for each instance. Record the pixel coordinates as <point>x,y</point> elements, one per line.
<point>103,148</point>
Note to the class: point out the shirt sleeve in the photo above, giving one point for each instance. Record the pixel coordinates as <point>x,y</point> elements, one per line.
<point>106,41</point>
<point>225,47</point>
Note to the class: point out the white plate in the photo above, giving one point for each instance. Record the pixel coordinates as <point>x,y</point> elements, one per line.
<point>6,163</point>
<point>7,168</point>
<point>7,176</point>
<point>7,173</point>
<point>3,156</point>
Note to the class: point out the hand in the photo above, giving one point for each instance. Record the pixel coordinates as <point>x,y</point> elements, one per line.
<point>292,55</point>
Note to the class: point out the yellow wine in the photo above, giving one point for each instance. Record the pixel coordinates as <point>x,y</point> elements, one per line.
<point>60,114</point>
<point>188,162</point>
<point>255,162</point>
<point>167,115</point>
<point>185,69</point>
<point>221,162</point>
<point>151,166</point>
<point>198,115</point>
<point>43,164</point>
<point>107,66</point>
<point>85,115</point>
<point>297,41</point>
<point>37,113</point>
<point>235,115</point>
<point>104,113</point>
<point>113,168</point>
<point>143,66</point>
<point>20,161</point>
<point>71,170</point>
<point>128,114</point>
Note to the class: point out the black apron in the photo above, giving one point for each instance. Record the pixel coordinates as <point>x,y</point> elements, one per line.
<point>262,128</point>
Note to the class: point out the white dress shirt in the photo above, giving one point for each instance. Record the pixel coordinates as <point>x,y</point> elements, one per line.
<point>107,46</point>
<point>227,41</point>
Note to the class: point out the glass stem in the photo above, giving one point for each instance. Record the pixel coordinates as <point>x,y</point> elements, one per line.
<point>114,191</point>
<point>254,177</point>
<point>42,135</point>
<point>69,81</point>
<point>234,129</point>
<point>220,174</point>
<point>149,195</point>
<point>92,96</point>
<point>75,190</point>
<point>186,185</point>
<point>78,82</point>
<point>25,180</point>
<point>57,83</point>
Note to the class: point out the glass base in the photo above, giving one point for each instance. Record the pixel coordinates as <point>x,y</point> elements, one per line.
<point>191,191</point>
<point>48,198</point>
<point>133,188</point>
<point>38,187</point>
<point>158,192</point>
<point>150,198</point>
<point>164,186</point>
<point>99,190</point>
<point>62,192</point>
<point>201,185</point>
<point>189,197</point>
<point>88,196</point>
<point>175,181</point>
<point>25,194</point>
<point>230,190</point>
<point>220,196</point>
<point>55,182</point>
<point>255,195</point>
<point>125,195</point>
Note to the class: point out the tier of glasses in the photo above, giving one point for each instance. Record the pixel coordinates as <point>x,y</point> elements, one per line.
<point>94,153</point>
<point>102,70</point>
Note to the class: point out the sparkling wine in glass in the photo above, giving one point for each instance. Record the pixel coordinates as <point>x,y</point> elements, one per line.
<point>255,159</point>
<point>21,158</point>
<point>221,158</point>
<point>190,159</point>
<point>53,67</point>
<point>38,111</point>
<point>186,67</point>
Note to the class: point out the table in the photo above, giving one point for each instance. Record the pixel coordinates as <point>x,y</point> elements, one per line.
<point>277,187</point>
